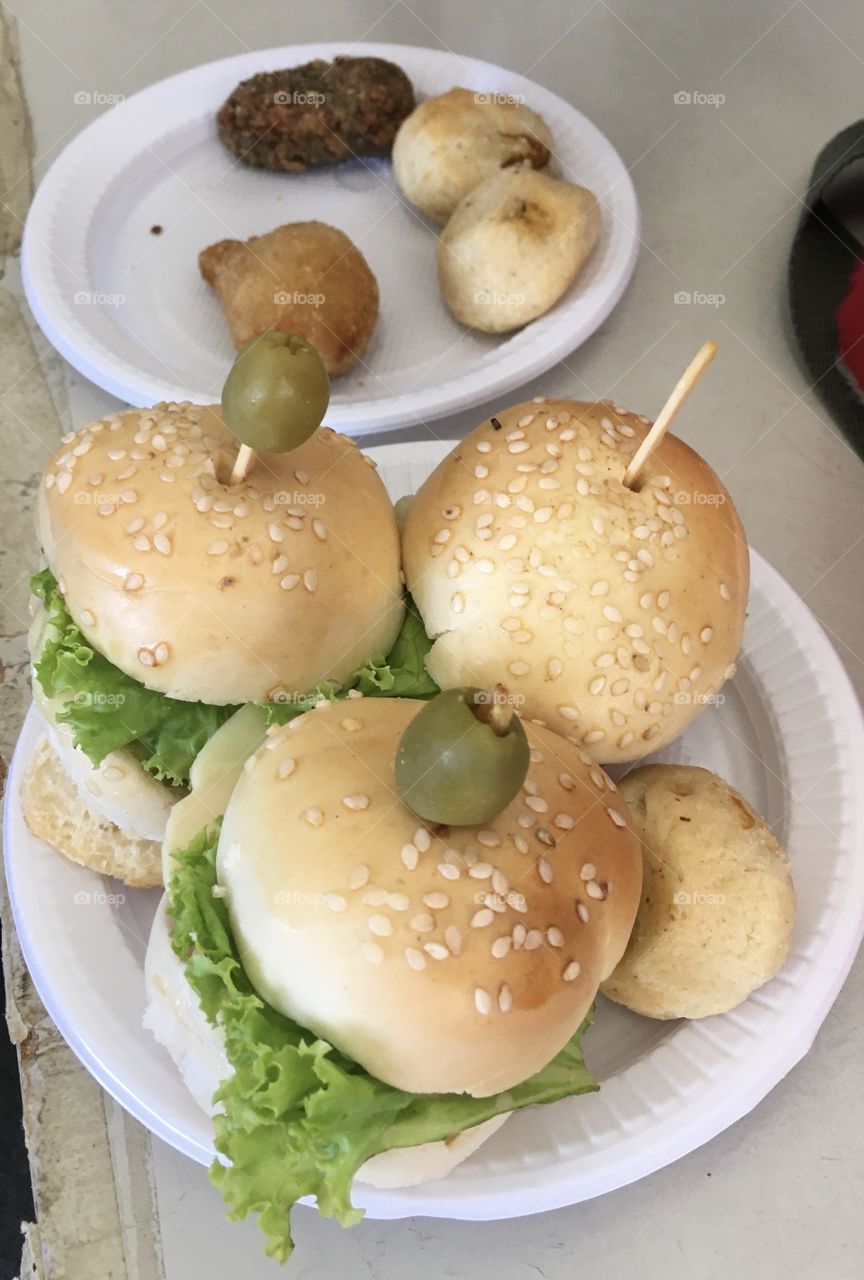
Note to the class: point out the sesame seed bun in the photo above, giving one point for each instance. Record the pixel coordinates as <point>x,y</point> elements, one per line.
<point>616,613</point>
<point>213,592</point>
<point>447,960</point>
<point>197,1047</point>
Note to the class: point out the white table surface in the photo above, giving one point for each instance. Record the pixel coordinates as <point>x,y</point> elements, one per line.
<point>780,1194</point>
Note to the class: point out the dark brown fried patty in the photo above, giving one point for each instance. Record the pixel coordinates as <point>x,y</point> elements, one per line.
<point>316,114</point>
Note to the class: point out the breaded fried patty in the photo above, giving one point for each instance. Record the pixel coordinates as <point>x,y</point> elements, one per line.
<point>317,114</point>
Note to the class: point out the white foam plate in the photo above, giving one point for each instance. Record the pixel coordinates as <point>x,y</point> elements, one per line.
<point>130,311</point>
<point>789,735</point>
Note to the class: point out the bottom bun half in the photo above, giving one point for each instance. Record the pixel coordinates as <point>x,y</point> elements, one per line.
<point>175,1018</point>
<point>58,811</point>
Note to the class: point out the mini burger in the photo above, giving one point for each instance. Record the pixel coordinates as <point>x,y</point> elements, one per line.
<point>179,585</point>
<point>355,992</point>
<point>616,612</point>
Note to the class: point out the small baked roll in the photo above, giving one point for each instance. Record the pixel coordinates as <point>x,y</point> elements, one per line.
<point>718,901</point>
<point>306,278</point>
<point>58,811</point>
<point>452,142</point>
<point>514,245</point>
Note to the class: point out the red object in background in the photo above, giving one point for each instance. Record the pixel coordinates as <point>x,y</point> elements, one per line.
<point>850,329</point>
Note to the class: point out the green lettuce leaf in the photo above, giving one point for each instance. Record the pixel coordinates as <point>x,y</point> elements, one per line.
<point>298,1117</point>
<point>107,709</point>
<point>402,674</point>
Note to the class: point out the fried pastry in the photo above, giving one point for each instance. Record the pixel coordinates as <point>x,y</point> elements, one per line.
<point>306,278</point>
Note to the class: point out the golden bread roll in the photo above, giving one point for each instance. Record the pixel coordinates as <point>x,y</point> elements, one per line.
<point>456,959</point>
<point>513,246</point>
<point>453,141</point>
<point>615,613</point>
<point>718,903</point>
<point>213,592</point>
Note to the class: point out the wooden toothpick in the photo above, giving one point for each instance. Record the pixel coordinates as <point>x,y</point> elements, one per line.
<point>243,464</point>
<point>683,387</point>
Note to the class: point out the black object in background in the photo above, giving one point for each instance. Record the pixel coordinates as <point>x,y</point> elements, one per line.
<point>16,1198</point>
<point>823,259</point>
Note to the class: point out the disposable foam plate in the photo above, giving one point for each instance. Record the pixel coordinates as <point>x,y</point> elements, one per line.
<point>130,310</point>
<point>788,735</point>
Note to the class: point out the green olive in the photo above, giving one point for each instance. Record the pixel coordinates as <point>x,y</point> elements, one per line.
<point>401,508</point>
<point>277,393</point>
<point>462,758</point>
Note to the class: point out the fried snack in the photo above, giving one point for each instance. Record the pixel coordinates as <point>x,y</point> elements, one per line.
<point>317,114</point>
<point>718,901</point>
<point>306,278</point>
<point>452,142</point>
<point>515,244</point>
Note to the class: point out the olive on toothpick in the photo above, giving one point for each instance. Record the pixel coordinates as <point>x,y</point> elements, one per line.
<point>274,397</point>
<point>463,757</point>
<point>670,410</point>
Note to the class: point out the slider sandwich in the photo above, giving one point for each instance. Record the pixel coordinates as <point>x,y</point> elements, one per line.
<point>381,935</point>
<point>183,580</point>
<point>614,609</point>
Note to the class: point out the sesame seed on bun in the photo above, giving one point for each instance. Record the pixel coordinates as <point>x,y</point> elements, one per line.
<point>213,592</point>
<point>616,613</point>
<point>441,959</point>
